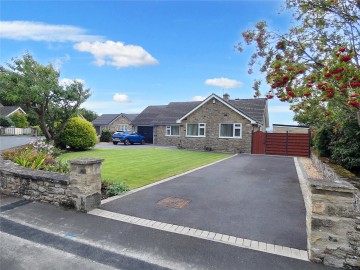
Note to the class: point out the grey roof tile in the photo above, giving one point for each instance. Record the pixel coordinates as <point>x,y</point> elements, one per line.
<point>104,119</point>
<point>148,115</point>
<point>168,114</point>
<point>6,110</point>
<point>174,111</point>
<point>131,116</point>
<point>253,108</point>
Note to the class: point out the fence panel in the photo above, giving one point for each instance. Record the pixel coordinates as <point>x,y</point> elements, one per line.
<point>17,131</point>
<point>276,144</point>
<point>284,144</point>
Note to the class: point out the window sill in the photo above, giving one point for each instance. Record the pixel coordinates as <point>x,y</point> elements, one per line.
<point>230,137</point>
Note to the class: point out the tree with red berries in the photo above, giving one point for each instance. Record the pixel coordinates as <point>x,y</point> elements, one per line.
<point>315,66</point>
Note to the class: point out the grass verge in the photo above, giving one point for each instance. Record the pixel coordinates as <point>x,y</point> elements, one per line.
<point>140,167</point>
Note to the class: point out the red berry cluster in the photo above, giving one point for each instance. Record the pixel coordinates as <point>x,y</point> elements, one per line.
<point>353,102</point>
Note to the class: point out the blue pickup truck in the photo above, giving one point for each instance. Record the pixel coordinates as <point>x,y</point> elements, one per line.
<point>127,137</point>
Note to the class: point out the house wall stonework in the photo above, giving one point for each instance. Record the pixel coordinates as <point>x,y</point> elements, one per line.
<point>114,126</point>
<point>212,114</point>
<point>161,139</point>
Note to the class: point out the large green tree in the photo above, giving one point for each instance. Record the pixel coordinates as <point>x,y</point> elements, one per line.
<point>89,115</point>
<point>25,81</point>
<point>315,65</point>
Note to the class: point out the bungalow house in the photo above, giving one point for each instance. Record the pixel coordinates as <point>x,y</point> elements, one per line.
<point>7,111</point>
<point>216,123</point>
<point>113,122</point>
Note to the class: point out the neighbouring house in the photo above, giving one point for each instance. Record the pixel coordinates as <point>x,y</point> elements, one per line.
<point>220,124</point>
<point>113,122</point>
<point>278,128</point>
<point>7,111</point>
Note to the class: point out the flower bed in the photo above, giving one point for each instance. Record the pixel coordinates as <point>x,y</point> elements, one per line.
<point>37,155</point>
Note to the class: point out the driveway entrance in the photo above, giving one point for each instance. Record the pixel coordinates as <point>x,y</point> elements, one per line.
<point>253,197</point>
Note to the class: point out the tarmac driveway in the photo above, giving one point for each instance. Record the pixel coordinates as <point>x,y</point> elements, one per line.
<point>14,141</point>
<point>247,196</point>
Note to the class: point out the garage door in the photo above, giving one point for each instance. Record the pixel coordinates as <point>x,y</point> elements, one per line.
<point>147,132</point>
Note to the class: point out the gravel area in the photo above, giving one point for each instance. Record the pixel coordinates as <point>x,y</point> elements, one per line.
<point>310,169</point>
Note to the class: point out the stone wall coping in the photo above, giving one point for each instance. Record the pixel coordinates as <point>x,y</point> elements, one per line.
<point>333,185</point>
<point>27,173</point>
<point>86,161</point>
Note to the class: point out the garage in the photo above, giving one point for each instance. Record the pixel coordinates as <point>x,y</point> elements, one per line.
<point>147,132</point>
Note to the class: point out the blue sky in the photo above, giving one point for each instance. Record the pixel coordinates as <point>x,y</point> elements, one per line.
<point>132,54</point>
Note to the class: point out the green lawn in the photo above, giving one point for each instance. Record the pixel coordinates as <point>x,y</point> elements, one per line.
<point>140,167</point>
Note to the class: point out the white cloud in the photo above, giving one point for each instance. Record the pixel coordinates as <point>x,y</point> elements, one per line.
<point>58,62</point>
<point>224,83</point>
<point>121,98</point>
<point>67,81</point>
<point>198,98</point>
<point>116,54</point>
<point>37,31</point>
<point>106,53</point>
<point>285,109</point>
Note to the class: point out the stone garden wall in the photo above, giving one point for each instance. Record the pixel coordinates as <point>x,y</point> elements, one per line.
<point>333,219</point>
<point>80,190</point>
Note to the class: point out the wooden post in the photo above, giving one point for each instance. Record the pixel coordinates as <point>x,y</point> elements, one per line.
<point>252,141</point>
<point>265,141</point>
<point>287,142</point>
<point>309,150</point>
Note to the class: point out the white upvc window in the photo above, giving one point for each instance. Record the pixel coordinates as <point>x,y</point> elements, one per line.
<point>196,130</point>
<point>172,131</point>
<point>230,130</point>
<point>123,127</point>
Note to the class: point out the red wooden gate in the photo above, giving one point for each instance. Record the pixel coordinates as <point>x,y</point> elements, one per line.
<point>258,143</point>
<point>284,144</point>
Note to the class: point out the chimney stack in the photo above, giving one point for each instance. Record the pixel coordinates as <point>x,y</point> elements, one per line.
<point>226,97</point>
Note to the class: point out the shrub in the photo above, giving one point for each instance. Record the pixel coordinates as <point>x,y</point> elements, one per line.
<point>6,122</point>
<point>78,134</point>
<point>345,148</point>
<point>105,136</point>
<point>116,189</point>
<point>11,154</point>
<point>30,158</point>
<point>19,120</point>
<point>57,166</point>
<point>37,155</point>
<point>322,140</point>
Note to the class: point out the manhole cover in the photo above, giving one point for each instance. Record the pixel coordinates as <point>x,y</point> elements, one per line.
<point>173,202</point>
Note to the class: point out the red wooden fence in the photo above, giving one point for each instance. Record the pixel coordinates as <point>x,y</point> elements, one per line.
<point>284,144</point>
